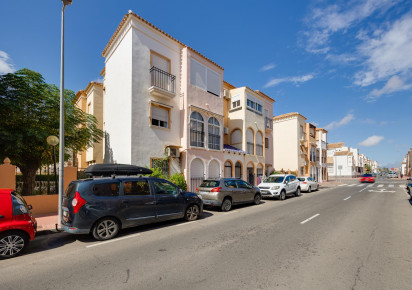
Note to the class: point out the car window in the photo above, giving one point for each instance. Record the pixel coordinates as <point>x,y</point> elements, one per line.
<point>287,178</point>
<point>274,179</point>
<point>230,183</point>
<point>243,184</point>
<point>301,178</point>
<point>106,189</point>
<point>310,179</point>
<point>70,190</point>
<point>19,206</point>
<point>292,178</point>
<point>164,187</point>
<point>136,187</point>
<point>210,183</point>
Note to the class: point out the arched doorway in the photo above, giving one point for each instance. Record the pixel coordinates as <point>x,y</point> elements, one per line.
<point>197,173</point>
<point>250,169</point>
<point>214,169</point>
<point>228,169</point>
<point>238,170</point>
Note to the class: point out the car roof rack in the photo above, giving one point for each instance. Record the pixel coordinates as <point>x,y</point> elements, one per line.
<point>115,169</point>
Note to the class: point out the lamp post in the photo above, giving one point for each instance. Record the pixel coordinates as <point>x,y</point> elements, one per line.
<point>53,141</point>
<point>61,128</point>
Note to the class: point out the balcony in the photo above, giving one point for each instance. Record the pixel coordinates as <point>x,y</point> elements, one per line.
<point>162,83</point>
<point>268,124</point>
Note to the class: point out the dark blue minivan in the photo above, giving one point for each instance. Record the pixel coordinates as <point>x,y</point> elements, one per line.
<point>104,205</point>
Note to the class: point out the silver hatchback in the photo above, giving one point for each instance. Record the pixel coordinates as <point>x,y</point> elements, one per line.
<point>226,192</point>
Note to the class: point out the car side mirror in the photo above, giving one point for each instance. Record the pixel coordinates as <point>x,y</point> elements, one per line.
<point>286,182</point>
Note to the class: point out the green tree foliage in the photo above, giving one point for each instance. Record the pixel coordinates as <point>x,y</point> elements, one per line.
<point>179,180</point>
<point>367,168</point>
<point>29,113</point>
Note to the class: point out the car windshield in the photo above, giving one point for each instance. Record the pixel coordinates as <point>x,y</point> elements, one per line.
<point>274,179</point>
<point>210,183</point>
<point>367,175</point>
<point>301,178</point>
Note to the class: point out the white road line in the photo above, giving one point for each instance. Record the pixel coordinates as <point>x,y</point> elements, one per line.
<point>391,185</point>
<point>347,198</point>
<point>183,223</point>
<point>111,241</point>
<point>401,186</point>
<point>380,185</point>
<point>363,189</point>
<point>369,185</point>
<point>351,184</point>
<point>312,217</point>
<point>341,184</point>
<point>360,185</point>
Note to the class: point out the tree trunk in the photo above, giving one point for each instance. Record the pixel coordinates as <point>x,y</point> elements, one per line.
<point>29,178</point>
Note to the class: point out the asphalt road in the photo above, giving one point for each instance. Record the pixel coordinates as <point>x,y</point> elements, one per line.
<point>349,237</point>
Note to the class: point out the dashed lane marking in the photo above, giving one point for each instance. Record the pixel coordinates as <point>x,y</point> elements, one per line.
<point>342,184</point>
<point>360,185</point>
<point>311,218</point>
<point>350,185</point>
<point>380,185</point>
<point>347,198</point>
<point>391,185</point>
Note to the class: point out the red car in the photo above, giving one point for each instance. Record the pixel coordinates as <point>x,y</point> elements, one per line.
<point>367,178</point>
<point>17,225</point>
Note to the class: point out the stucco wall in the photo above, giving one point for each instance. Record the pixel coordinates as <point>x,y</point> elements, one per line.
<point>117,101</point>
<point>286,144</point>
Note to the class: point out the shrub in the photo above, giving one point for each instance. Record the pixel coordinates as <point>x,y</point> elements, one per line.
<point>179,180</point>
<point>157,172</point>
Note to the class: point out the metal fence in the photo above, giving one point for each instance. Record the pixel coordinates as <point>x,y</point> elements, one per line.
<point>195,183</point>
<point>162,79</point>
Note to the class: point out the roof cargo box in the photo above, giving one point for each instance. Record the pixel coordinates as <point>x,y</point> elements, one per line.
<point>115,169</point>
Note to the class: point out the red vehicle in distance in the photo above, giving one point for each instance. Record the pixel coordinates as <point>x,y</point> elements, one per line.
<point>17,225</point>
<point>367,178</point>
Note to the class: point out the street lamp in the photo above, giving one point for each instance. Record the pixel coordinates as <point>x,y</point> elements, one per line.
<point>61,128</point>
<point>53,141</point>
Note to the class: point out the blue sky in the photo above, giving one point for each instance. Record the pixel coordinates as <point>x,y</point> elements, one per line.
<point>345,65</point>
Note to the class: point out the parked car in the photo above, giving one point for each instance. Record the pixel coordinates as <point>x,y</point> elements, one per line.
<point>308,184</point>
<point>17,225</point>
<point>367,178</point>
<point>226,192</point>
<point>280,186</point>
<point>409,186</point>
<point>104,205</point>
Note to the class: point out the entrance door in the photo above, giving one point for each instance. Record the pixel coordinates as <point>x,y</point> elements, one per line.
<point>250,176</point>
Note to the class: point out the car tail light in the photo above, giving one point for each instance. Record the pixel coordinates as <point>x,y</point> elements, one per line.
<point>304,182</point>
<point>197,189</point>
<point>77,202</point>
<point>216,189</point>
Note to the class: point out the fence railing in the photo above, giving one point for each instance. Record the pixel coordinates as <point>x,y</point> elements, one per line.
<point>162,79</point>
<point>195,182</point>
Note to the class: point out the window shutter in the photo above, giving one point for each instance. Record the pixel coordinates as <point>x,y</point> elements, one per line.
<point>213,82</point>
<point>249,136</point>
<point>259,138</point>
<point>197,74</point>
<point>236,137</point>
<point>160,63</point>
<point>160,114</point>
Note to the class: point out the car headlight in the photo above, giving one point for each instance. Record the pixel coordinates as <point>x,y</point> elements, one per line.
<point>275,187</point>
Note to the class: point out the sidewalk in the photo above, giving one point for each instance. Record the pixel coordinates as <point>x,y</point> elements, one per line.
<point>46,222</point>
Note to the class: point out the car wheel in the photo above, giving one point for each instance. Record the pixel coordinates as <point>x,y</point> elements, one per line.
<point>309,189</point>
<point>12,244</point>
<point>297,193</point>
<point>192,213</point>
<point>282,195</point>
<point>226,204</point>
<point>106,229</point>
<point>257,198</point>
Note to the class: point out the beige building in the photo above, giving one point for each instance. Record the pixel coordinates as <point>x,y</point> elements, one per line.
<point>322,139</point>
<point>290,143</point>
<point>90,101</point>
<point>409,162</point>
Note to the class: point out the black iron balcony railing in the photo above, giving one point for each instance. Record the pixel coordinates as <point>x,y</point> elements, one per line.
<point>162,79</point>
<point>268,123</point>
<point>214,142</point>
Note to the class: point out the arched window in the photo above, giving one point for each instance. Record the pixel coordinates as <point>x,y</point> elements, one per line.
<point>259,144</point>
<point>249,140</point>
<point>238,170</point>
<point>214,133</point>
<point>228,169</point>
<point>197,130</point>
<point>236,139</point>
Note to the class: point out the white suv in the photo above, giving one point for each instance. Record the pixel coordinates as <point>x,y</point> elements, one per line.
<point>280,185</point>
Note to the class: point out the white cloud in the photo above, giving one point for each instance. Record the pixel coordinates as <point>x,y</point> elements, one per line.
<point>326,21</point>
<point>341,58</point>
<point>387,54</point>
<point>267,67</point>
<point>394,84</point>
<point>5,63</point>
<point>371,141</point>
<point>296,80</point>
<point>345,120</point>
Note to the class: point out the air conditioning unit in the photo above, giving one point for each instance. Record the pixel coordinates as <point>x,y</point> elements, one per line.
<point>172,152</point>
<point>226,94</point>
<point>226,130</point>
